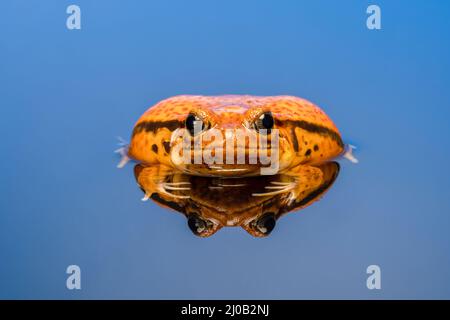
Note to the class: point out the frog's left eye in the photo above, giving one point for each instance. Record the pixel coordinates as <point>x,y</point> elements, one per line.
<point>198,226</point>
<point>266,223</point>
<point>195,125</point>
<point>265,121</point>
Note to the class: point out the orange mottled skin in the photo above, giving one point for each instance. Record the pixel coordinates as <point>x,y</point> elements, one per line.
<point>306,134</point>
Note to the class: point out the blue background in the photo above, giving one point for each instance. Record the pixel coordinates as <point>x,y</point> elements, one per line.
<point>66,94</point>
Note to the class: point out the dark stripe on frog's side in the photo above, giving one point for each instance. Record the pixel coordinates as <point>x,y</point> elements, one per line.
<point>152,126</point>
<point>294,139</point>
<point>310,127</point>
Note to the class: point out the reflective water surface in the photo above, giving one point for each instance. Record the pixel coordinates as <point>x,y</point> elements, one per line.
<point>253,203</point>
<point>67,94</point>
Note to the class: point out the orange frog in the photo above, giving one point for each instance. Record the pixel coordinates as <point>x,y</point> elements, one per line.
<point>305,135</point>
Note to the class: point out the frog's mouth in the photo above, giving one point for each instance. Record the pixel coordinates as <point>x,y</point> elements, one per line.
<point>215,160</point>
<point>214,170</point>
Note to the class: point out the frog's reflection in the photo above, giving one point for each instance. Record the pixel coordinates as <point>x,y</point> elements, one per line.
<point>254,203</point>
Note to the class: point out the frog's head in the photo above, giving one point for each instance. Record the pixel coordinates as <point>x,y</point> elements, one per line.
<point>234,135</point>
<point>230,136</point>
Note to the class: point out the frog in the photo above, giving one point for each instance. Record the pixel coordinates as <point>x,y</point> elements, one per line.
<point>254,203</point>
<point>306,135</point>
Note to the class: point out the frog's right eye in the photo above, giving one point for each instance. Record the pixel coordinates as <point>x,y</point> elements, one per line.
<point>198,226</point>
<point>265,122</point>
<point>194,124</point>
<point>266,223</point>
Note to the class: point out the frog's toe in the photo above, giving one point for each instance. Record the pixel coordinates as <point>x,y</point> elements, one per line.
<point>124,157</point>
<point>176,188</point>
<point>163,190</point>
<point>182,185</point>
<point>167,187</point>
<point>348,153</point>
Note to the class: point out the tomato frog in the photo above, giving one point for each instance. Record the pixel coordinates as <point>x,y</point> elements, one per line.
<point>305,135</point>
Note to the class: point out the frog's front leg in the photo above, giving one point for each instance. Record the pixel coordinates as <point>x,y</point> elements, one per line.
<point>161,181</point>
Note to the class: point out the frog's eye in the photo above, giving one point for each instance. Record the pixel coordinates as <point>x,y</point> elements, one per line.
<point>194,124</point>
<point>266,223</point>
<point>265,121</point>
<point>198,226</point>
